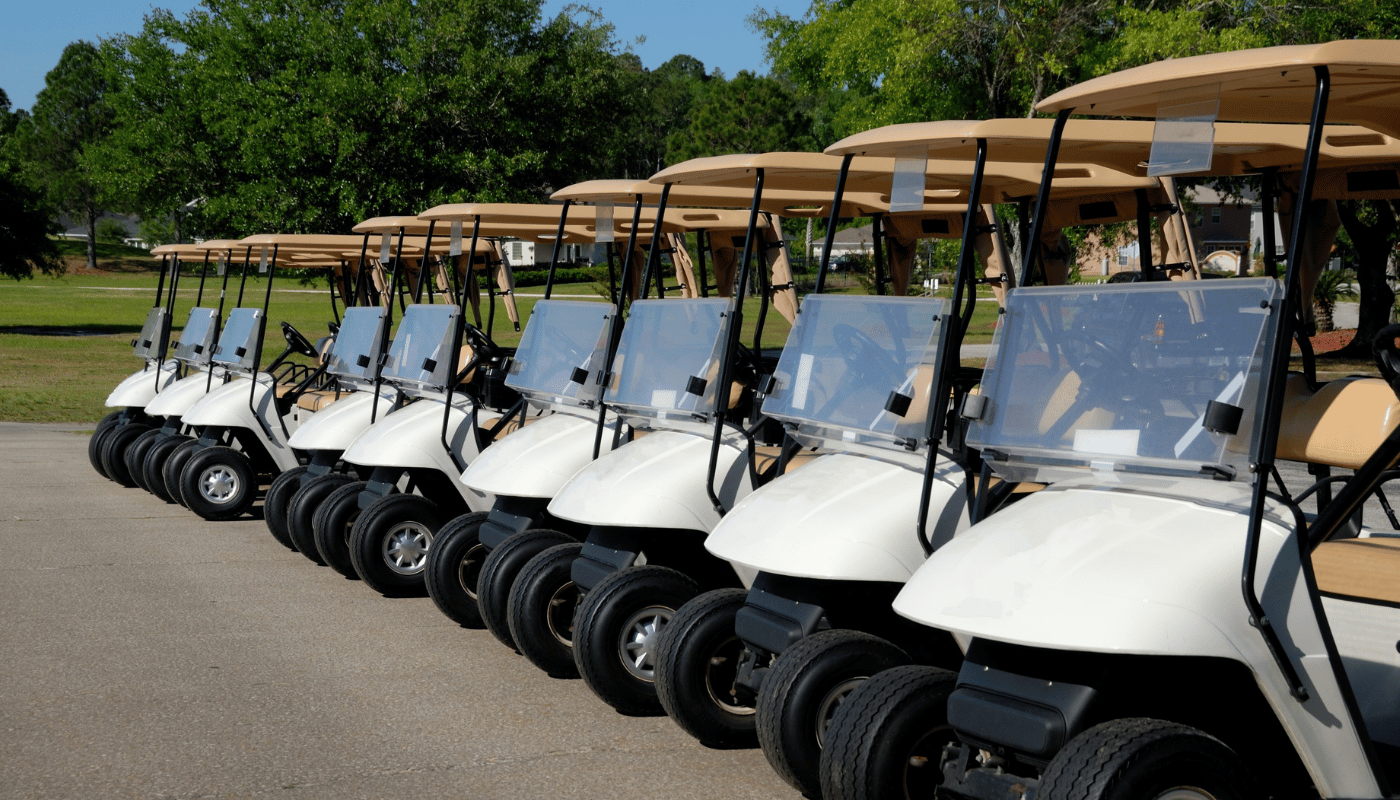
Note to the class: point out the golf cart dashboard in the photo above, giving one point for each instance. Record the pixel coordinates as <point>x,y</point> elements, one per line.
<point>1146,378</point>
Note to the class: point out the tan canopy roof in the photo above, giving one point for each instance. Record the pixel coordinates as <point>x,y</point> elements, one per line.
<point>181,250</point>
<point>1124,145</point>
<point>783,202</point>
<point>1271,84</point>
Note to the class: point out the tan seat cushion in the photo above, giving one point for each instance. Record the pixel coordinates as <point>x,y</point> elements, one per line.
<point>766,458</point>
<point>1365,569</point>
<point>505,427</point>
<point>315,401</point>
<point>1340,425</point>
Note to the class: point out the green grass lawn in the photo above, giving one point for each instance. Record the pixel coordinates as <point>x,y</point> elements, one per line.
<point>66,341</point>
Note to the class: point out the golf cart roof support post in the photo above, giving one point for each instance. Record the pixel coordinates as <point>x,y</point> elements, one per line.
<point>219,317</point>
<point>258,352</point>
<point>731,345</point>
<point>615,327</point>
<point>831,222</point>
<point>1042,200</point>
<point>391,290</point>
<point>949,347</point>
<point>490,285</point>
<point>471,256</point>
<point>1144,226</point>
<point>203,273</point>
<point>243,277</point>
<point>362,274</point>
<point>1268,192</point>
<point>424,275</point>
<point>1267,424</point>
<point>163,335</point>
<point>457,331</point>
<point>764,289</point>
<point>160,283</point>
<point>701,240</point>
<point>654,252</point>
<point>554,253</point>
<point>610,253</point>
<point>877,235</point>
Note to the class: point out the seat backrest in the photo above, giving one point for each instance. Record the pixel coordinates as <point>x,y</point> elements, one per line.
<point>464,355</point>
<point>1340,425</point>
<point>1365,569</point>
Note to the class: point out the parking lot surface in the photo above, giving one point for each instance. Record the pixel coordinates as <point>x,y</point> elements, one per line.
<point>150,654</point>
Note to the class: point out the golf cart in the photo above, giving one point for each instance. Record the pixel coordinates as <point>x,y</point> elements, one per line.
<point>1165,620</point>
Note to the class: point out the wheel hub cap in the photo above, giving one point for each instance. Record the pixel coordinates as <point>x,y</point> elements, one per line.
<point>831,702</point>
<point>638,641</point>
<point>405,548</point>
<point>218,484</point>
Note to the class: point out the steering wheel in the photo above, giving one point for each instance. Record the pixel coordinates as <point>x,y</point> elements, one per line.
<point>1385,348</point>
<point>479,342</point>
<point>865,357</point>
<point>1089,355</point>
<point>298,343</point>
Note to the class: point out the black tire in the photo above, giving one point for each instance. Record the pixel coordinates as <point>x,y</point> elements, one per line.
<point>135,456</point>
<point>542,604</point>
<point>886,741</point>
<point>800,695</point>
<point>219,483</point>
<point>1139,759</point>
<point>113,451</point>
<point>153,468</point>
<point>390,542</point>
<point>332,523</point>
<point>697,665</point>
<point>499,571</point>
<point>279,496</point>
<point>454,568</point>
<point>175,466</point>
<point>615,633</point>
<point>95,441</point>
<point>301,510</point>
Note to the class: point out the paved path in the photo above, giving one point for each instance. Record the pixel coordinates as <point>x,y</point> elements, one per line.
<point>148,654</point>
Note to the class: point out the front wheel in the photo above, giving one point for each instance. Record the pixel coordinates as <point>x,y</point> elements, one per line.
<point>219,483</point>
<point>799,697</point>
<point>301,511</point>
<point>135,456</point>
<point>332,523</point>
<point>153,467</point>
<point>175,468</point>
<point>1133,759</point>
<point>697,669</point>
<point>454,565</point>
<point>279,495</point>
<point>499,571</point>
<point>390,541</point>
<point>542,605</point>
<point>95,441</point>
<point>616,629</point>
<point>114,447</point>
<point>887,739</point>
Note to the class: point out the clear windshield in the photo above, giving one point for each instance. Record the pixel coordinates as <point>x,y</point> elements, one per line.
<point>149,342</point>
<point>419,353</point>
<point>197,337</point>
<point>238,342</point>
<point>563,340</point>
<point>665,345</point>
<point>357,344</point>
<point>847,358</point>
<point>1118,377</point>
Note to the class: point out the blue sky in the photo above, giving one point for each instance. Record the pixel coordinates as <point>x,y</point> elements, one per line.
<point>34,34</point>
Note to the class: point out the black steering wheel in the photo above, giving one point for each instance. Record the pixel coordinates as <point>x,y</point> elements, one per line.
<point>480,343</point>
<point>1385,348</point>
<point>865,357</point>
<point>298,343</point>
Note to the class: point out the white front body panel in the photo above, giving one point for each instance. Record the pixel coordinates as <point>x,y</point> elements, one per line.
<point>842,517</point>
<point>538,459</point>
<point>657,481</point>
<point>175,399</point>
<point>227,407</point>
<point>337,425</point>
<point>1147,566</point>
<point>139,388</point>
<point>411,438</point>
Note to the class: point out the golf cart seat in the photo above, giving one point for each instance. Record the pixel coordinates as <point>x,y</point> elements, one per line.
<point>1359,569</point>
<point>509,425</point>
<point>1058,402</point>
<point>318,399</point>
<point>1340,425</point>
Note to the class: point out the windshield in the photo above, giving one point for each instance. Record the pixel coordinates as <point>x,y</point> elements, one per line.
<point>846,359</point>
<point>151,340</point>
<point>563,340</point>
<point>197,336</point>
<point>238,342</point>
<point>665,344</point>
<point>1118,377</point>
<point>357,343</point>
<point>419,352</point>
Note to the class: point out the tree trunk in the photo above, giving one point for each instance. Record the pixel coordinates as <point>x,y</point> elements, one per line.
<point>91,237</point>
<point>1373,245</point>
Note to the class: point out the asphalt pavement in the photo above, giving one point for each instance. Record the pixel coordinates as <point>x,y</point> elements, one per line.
<point>149,654</point>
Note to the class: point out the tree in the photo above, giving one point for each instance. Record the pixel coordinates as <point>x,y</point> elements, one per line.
<point>746,115</point>
<point>658,103</point>
<point>70,115</point>
<point>25,218</point>
<point>1374,231</point>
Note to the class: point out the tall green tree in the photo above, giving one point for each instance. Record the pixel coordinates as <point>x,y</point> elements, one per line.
<point>70,116</point>
<point>749,114</point>
<point>658,103</point>
<point>25,218</point>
